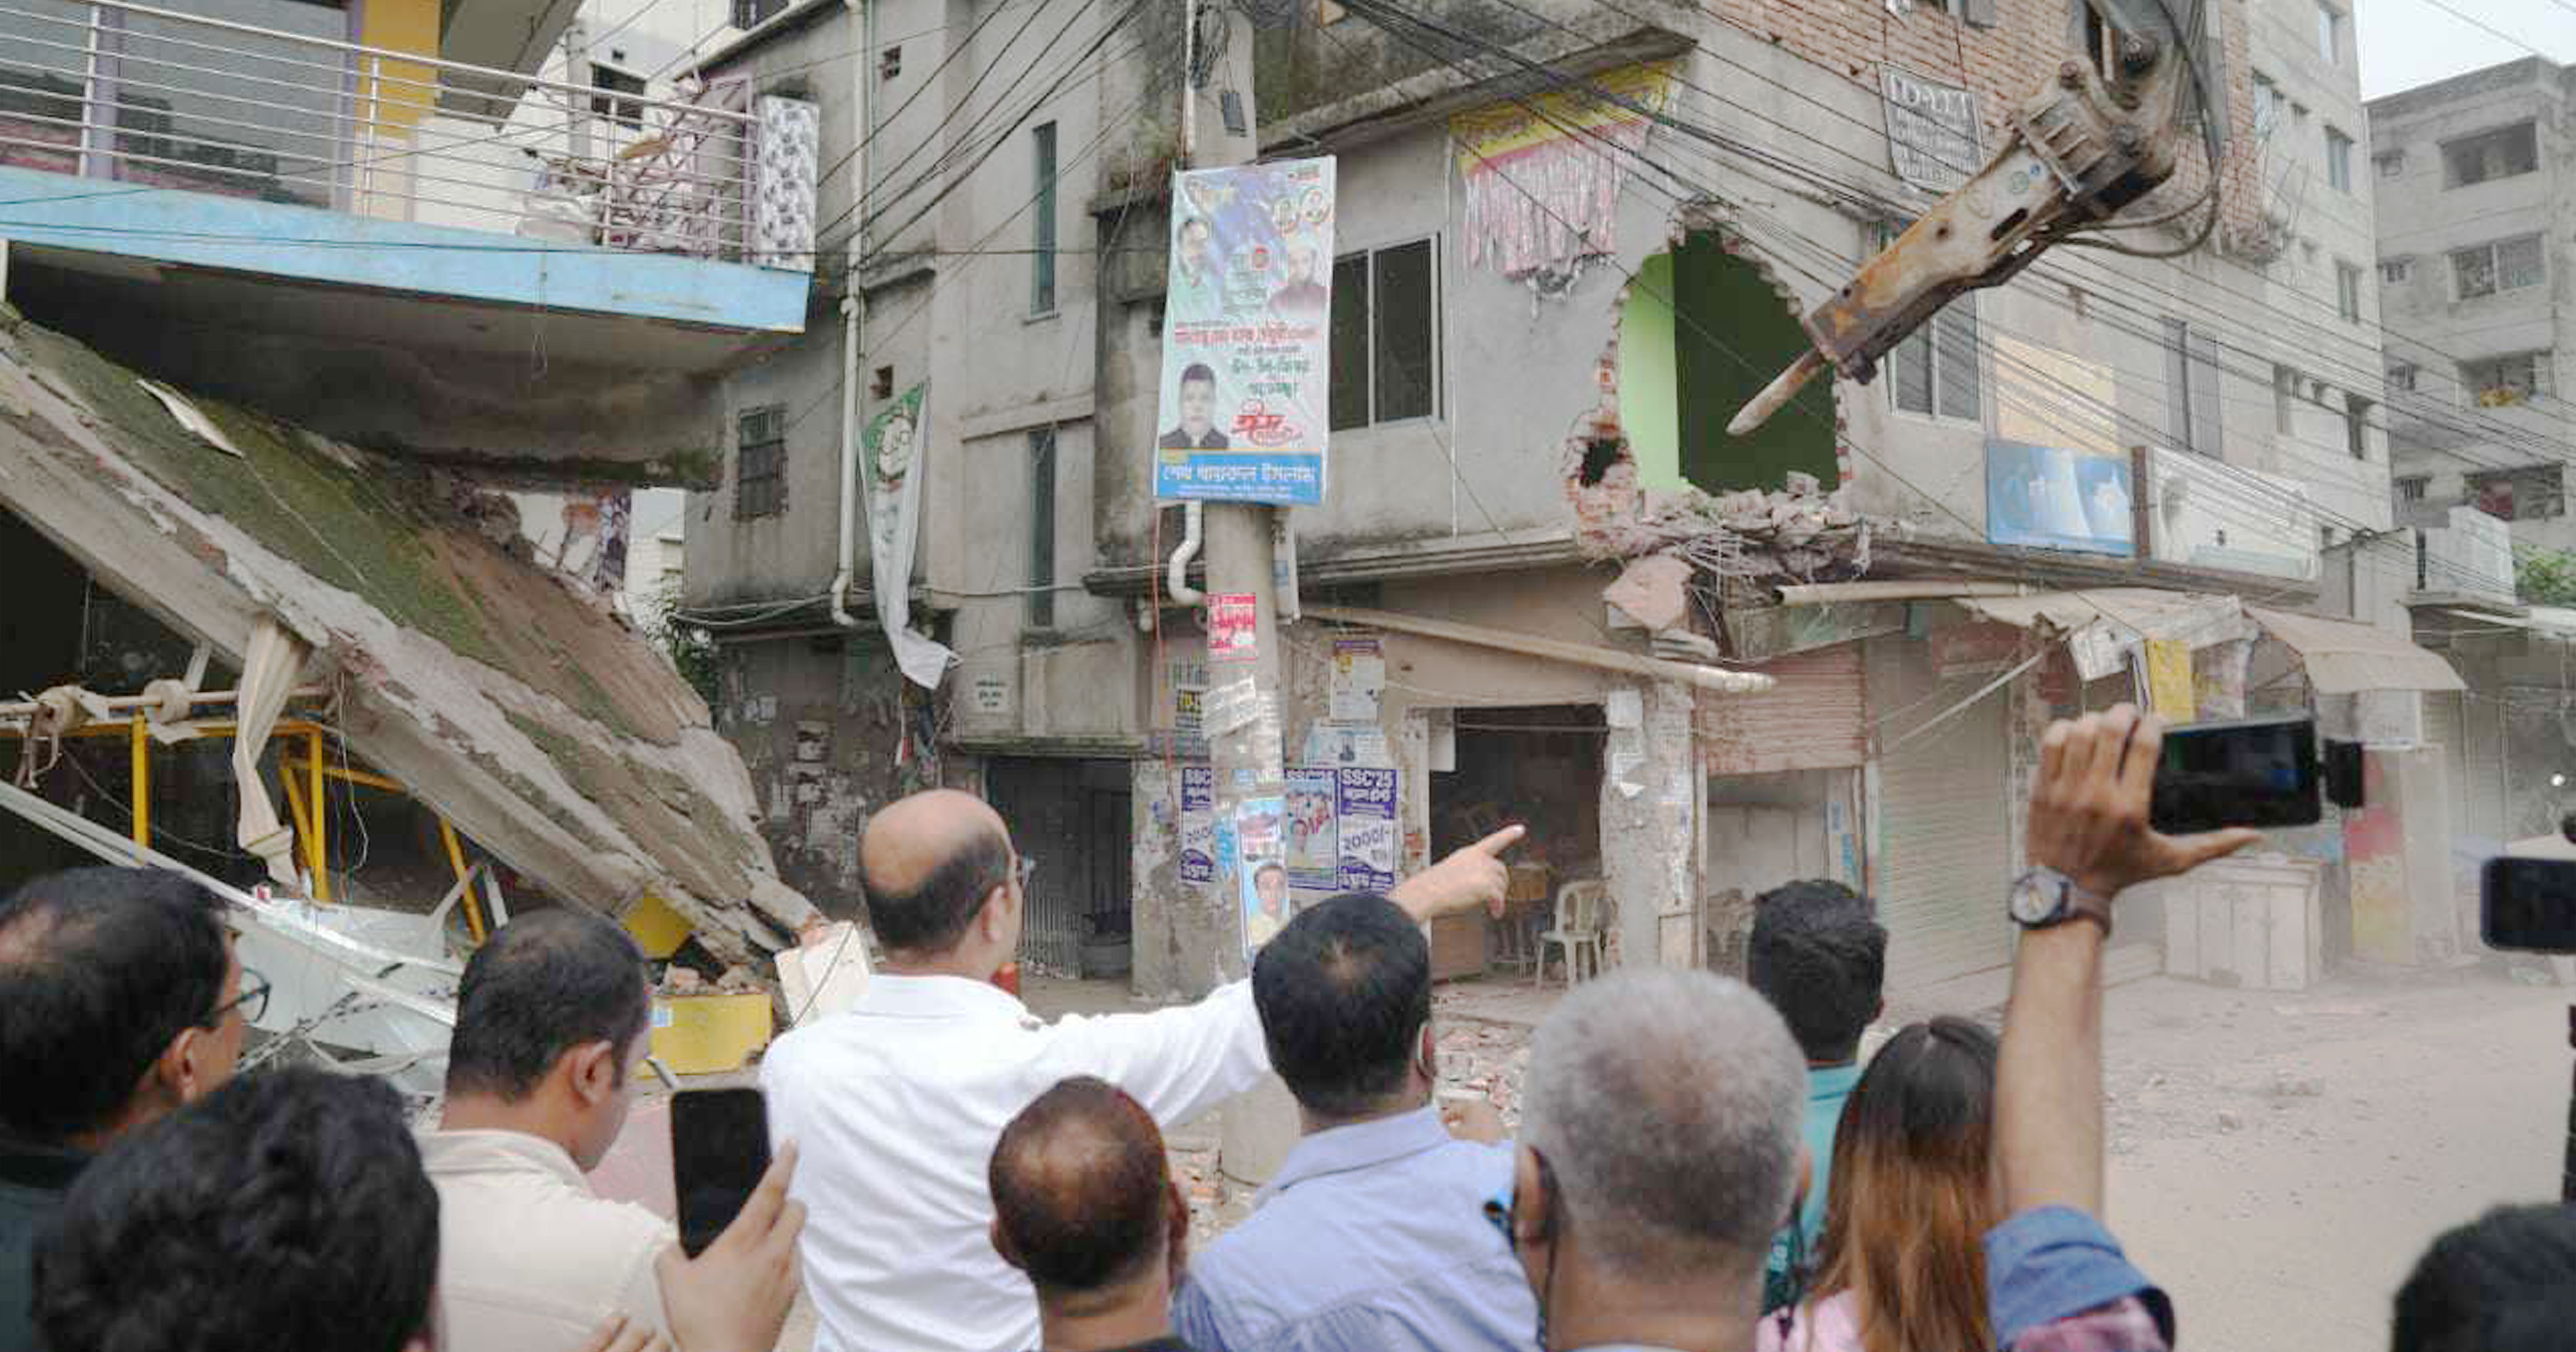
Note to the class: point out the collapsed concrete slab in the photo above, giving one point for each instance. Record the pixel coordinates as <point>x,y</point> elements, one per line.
<point>540,725</point>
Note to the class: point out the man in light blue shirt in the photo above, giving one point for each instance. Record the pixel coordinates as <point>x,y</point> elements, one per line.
<point>1373,1237</point>
<point>1819,955</point>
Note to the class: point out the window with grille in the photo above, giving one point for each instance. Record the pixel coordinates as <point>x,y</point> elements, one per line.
<point>2502,382</point>
<point>2395,269</point>
<point>1386,335</point>
<point>620,97</point>
<point>1938,371</point>
<point>2507,265</point>
<point>2412,487</point>
<point>2532,493</point>
<point>754,13</point>
<point>760,462</point>
<point>2502,153</point>
<point>2401,376</point>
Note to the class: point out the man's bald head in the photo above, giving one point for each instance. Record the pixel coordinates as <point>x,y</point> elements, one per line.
<point>1082,1191</point>
<point>926,865</point>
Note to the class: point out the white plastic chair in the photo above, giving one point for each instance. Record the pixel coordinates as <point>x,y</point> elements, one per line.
<point>1577,930</point>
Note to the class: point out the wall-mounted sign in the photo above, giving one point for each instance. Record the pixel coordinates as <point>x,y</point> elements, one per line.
<point>1933,130</point>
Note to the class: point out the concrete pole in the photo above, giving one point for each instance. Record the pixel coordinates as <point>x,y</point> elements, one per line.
<point>1217,130</point>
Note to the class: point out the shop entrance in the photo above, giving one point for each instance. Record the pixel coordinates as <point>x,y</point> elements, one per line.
<point>1536,764</point>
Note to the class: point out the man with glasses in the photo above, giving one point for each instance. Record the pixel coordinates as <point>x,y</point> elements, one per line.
<point>898,1102</point>
<point>550,1044</point>
<point>120,1001</point>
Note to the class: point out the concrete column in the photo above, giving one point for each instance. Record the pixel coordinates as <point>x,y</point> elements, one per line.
<point>1651,787</point>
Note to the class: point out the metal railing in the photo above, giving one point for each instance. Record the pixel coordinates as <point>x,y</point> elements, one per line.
<point>156,98</point>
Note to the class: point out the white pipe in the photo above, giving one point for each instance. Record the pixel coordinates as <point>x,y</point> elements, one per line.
<point>853,310</point>
<point>849,458</point>
<point>1177,582</point>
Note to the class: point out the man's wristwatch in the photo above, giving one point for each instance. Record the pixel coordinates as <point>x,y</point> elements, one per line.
<point>2043,897</point>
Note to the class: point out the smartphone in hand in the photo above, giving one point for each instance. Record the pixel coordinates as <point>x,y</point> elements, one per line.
<point>2246,772</point>
<point>719,1150</point>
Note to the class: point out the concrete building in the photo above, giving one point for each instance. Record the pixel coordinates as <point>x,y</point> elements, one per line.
<point>298,342</point>
<point>1528,473</point>
<point>2478,178</point>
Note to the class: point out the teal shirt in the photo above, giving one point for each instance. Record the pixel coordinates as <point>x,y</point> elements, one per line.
<point>1827,1088</point>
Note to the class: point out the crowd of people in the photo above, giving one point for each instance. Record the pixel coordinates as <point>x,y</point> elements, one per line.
<point>1703,1165</point>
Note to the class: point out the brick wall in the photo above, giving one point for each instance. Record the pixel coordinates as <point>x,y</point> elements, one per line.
<point>2004,64</point>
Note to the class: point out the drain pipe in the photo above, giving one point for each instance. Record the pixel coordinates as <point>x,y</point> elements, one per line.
<point>849,455</point>
<point>853,310</point>
<point>1177,582</point>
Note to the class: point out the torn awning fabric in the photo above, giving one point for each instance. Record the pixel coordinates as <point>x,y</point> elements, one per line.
<point>2347,658</point>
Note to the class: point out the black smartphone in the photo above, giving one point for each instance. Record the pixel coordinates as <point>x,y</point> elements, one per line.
<point>719,1150</point>
<point>2243,772</point>
<point>2528,904</point>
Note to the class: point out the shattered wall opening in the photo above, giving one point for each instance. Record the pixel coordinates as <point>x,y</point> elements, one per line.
<point>1702,330</point>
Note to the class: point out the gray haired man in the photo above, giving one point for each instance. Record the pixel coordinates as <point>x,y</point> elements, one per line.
<point>1659,1154</point>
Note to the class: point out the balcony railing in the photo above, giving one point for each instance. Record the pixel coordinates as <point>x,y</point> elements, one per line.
<point>160,99</point>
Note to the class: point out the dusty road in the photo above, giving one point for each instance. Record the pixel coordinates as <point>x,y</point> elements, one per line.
<point>2280,1161</point>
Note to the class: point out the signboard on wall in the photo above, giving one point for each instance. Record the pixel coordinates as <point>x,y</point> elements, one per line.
<point>1245,397</point>
<point>2211,514</point>
<point>1933,131</point>
<point>2053,497</point>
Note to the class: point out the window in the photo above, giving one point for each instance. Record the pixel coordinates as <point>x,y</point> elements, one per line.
<point>2394,270</point>
<point>760,463</point>
<point>890,62</point>
<point>620,97</point>
<point>2411,488</point>
<point>754,13</point>
<point>2507,265</point>
<point>1938,373</point>
<point>1386,335</point>
<point>2192,417</point>
<point>1042,528</point>
<point>2501,153</point>
<point>2532,493</point>
<point>2268,103</point>
<point>2348,292</point>
<point>2401,375</point>
<point>1042,248</point>
<point>2356,426</point>
<point>2285,400</point>
<point>2338,160</point>
<point>2390,163</point>
<point>2502,382</point>
<point>2330,34</point>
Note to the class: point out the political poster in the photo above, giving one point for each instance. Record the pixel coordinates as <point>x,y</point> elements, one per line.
<point>1198,824</point>
<point>1245,397</point>
<point>1263,868</point>
<point>1367,840</point>
<point>1314,859</point>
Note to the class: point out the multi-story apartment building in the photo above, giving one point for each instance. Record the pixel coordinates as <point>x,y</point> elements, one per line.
<point>2478,189</point>
<point>1551,294</point>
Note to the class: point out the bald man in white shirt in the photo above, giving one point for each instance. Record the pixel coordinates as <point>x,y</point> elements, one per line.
<point>898,1102</point>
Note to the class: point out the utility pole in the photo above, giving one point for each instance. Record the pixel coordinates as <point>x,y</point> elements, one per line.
<point>1217,130</point>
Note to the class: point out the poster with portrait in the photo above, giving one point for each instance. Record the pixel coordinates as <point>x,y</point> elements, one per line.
<point>1245,397</point>
<point>1314,861</point>
<point>1260,832</point>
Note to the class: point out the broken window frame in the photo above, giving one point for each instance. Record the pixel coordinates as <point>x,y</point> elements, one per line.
<point>1357,367</point>
<point>760,462</point>
<point>2508,151</point>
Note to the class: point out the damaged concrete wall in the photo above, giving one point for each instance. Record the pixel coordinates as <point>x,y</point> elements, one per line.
<point>818,722</point>
<point>545,729</point>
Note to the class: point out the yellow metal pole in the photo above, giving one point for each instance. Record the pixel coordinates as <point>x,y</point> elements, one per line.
<point>321,845</point>
<point>142,784</point>
<point>456,860</point>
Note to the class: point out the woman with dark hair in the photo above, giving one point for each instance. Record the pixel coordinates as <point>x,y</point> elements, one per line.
<point>1902,1266</point>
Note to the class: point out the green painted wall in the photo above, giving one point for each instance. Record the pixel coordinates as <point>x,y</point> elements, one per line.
<point>1649,407</point>
<point>1735,335</point>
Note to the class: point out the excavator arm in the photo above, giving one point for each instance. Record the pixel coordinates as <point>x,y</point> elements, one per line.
<point>2106,132</point>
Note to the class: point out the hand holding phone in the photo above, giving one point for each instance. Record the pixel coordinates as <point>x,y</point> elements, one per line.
<point>734,1296</point>
<point>2244,772</point>
<point>719,1150</point>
